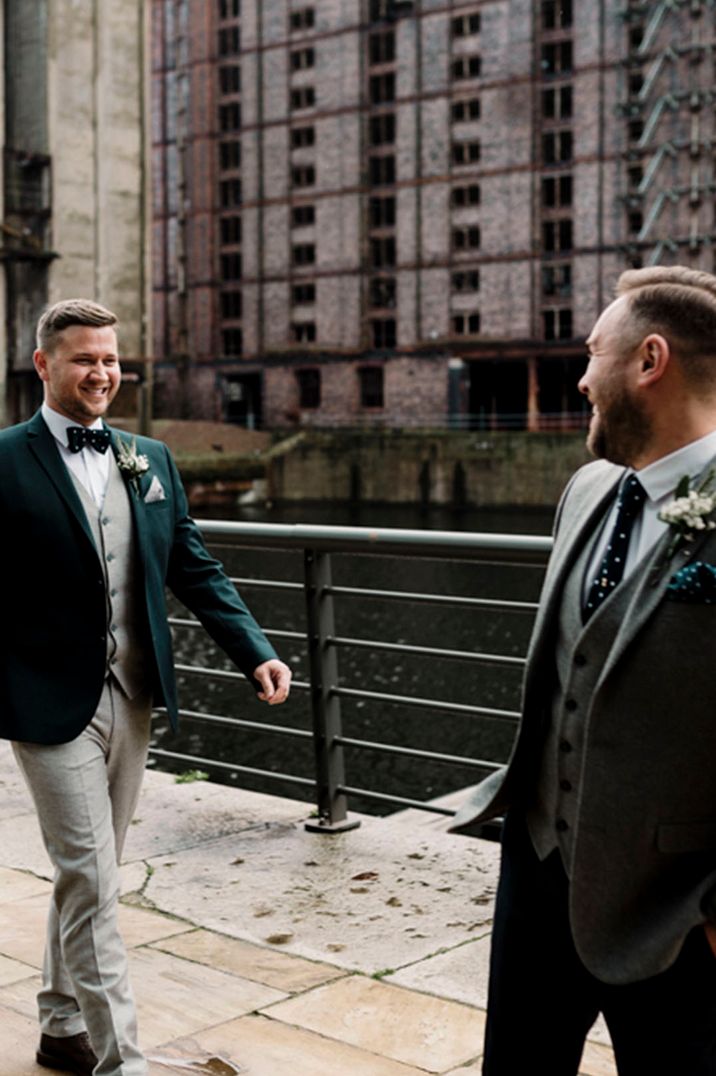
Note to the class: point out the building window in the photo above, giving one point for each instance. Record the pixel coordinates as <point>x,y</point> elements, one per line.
<point>230,116</point>
<point>465,25</point>
<point>382,170</point>
<point>303,97</point>
<point>381,47</point>
<point>466,281</point>
<point>557,324</point>
<point>557,281</point>
<point>466,324</point>
<point>636,35</point>
<point>382,252</point>
<point>382,212</point>
<point>465,152</point>
<point>556,191</point>
<point>557,235</point>
<point>230,193</point>
<point>636,221</point>
<point>556,147</point>
<point>304,19</point>
<point>229,41</point>
<point>233,341</point>
<point>557,103</point>
<point>229,155</point>
<point>230,230</point>
<point>466,109</point>
<point>557,58</point>
<point>303,294</point>
<point>382,129</point>
<point>466,238</point>
<point>383,292</point>
<point>466,67</point>
<point>229,9</point>
<point>636,130</point>
<point>636,175</point>
<point>231,266</point>
<point>556,14</point>
<point>468,195</point>
<point>231,304</point>
<point>230,79</point>
<point>309,388</point>
<point>303,175</point>
<point>382,88</point>
<point>371,386</point>
<point>303,332</point>
<point>302,58</point>
<point>302,136</point>
<point>304,254</point>
<point>301,215</point>
<point>383,336</point>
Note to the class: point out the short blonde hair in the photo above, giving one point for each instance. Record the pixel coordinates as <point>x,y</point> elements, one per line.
<point>680,304</point>
<point>69,312</point>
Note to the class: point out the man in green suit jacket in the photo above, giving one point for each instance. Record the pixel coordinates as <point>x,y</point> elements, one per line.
<point>95,525</point>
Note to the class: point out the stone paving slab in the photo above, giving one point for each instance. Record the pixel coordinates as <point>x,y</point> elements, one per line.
<point>335,898</point>
<point>415,1029</point>
<point>268,966</point>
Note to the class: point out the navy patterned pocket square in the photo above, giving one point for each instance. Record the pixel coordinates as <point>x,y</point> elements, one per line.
<point>694,583</point>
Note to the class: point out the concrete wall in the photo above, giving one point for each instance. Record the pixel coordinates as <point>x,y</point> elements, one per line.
<point>476,469</point>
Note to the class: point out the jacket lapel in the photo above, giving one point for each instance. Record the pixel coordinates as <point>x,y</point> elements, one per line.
<point>42,445</point>
<point>136,503</point>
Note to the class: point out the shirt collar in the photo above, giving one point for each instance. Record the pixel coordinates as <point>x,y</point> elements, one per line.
<point>59,424</point>
<point>661,477</point>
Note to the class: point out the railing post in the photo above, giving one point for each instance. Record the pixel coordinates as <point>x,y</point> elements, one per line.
<point>332,804</point>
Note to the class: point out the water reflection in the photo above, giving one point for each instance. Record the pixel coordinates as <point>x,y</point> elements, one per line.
<point>404,622</point>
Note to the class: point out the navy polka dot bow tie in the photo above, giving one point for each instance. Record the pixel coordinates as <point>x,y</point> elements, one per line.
<point>79,436</point>
<point>611,569</point>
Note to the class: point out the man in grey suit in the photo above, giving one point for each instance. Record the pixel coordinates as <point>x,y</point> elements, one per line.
<point>95,527</point>
<point>607,896</point>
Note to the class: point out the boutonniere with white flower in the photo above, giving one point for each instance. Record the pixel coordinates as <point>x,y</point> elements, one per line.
<point>131,463</point>
<point>690,511</point>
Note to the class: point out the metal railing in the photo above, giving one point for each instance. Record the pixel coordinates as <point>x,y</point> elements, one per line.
<point>324,687</point>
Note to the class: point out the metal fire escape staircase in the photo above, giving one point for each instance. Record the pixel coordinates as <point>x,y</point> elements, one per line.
<point>678,78</point>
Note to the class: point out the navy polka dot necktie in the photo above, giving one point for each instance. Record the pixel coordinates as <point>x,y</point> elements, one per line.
<point>611,569</point>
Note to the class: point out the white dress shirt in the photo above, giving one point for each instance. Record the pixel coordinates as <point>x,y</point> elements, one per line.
<point>660,480</point>
<point>90,467</point>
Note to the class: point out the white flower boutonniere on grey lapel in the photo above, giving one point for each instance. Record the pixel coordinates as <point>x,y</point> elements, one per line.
<point>131,463</point>
<point>690,511</point>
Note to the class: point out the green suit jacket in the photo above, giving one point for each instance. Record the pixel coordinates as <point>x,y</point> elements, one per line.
<point>54,621</point>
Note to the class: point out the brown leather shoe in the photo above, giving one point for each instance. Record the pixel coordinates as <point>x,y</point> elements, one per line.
<point>73,1054</point>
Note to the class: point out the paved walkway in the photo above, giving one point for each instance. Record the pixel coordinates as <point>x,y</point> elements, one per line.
<point>259,948</point>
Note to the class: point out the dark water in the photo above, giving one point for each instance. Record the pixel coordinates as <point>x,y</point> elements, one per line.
<point>405,622</point>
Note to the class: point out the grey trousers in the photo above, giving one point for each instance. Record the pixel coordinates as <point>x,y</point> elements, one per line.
<point>85,794</point>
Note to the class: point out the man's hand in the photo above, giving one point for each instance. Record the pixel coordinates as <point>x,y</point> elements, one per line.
<point>710,929</point>
<point>275,680</point>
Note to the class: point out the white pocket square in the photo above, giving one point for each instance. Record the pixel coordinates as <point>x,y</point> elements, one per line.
<point>155,492</point>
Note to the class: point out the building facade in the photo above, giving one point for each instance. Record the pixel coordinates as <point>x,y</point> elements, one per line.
<point>73,190</point>
<point>410,212</point>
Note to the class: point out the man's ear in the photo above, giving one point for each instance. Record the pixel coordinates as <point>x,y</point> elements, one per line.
<point>39,359</point>
<point>654,357</point>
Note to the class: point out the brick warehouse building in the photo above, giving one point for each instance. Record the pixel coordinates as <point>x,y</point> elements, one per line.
<point>410,212</point>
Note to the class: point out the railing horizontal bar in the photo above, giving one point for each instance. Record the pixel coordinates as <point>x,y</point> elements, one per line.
<point>276,633</point>
<point>424,704</point>
<point>433,599</point>
<point>159,752</point>
<point>239,722</point>
<point>427,651</point>
<point>414,752</point>
<point>228,674</point>
<point>382,541</point>
<point>399,801</point>
<point>265,584</point>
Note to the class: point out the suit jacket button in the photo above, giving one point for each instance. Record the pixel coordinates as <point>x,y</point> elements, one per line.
<point>565,745</point>
<point>580,659</point>
<point>565,785</point>
<point>561,825</point>
<point>571,705</point>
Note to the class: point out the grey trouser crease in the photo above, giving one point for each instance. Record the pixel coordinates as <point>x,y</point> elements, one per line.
<point>85,794</point>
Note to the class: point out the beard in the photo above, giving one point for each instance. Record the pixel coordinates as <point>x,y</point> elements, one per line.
<point>619,431</point>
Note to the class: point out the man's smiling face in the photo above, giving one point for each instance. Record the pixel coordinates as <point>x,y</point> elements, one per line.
<point>82,373</point>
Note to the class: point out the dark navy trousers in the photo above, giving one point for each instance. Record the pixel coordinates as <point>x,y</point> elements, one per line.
<point>543,1001</point>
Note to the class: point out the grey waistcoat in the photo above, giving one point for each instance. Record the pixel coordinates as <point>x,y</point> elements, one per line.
<point>581,652</point>
<point>113,534</point>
